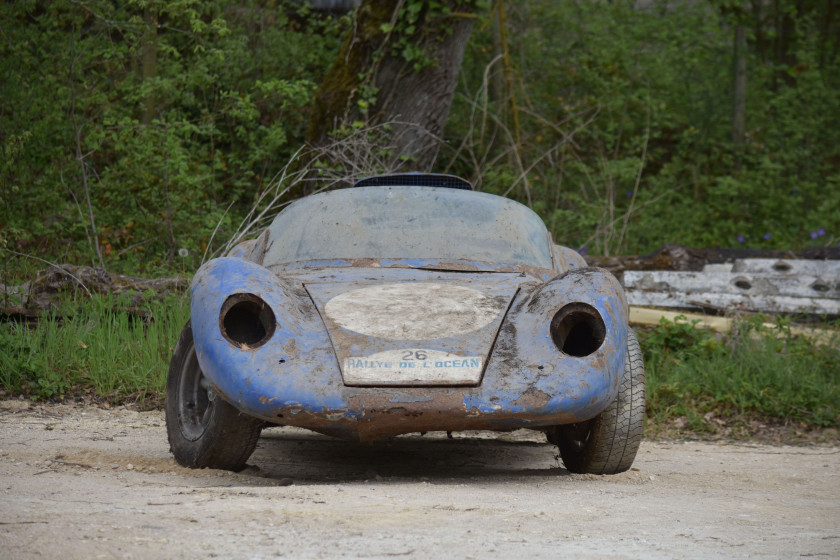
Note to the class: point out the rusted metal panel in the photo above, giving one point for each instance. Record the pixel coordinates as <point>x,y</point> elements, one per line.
<point>296,379</point>
<point>566,259</point>
<point>433,332</point>
<point>382,311</point>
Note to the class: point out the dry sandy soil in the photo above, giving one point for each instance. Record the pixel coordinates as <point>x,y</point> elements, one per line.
<point>85,482</point>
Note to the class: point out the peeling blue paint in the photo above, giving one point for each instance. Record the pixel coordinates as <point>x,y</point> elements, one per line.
<point>413,263</point>
<point>296,373</point>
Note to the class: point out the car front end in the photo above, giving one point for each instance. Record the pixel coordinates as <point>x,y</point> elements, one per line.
<point>399,307</point>
<point>378,353</point>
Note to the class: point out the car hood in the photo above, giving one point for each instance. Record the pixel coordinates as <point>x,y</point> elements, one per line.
<point>435,330</point>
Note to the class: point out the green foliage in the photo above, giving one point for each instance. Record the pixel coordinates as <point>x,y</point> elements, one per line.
<point>755,371</point>
<point>137,128</point>
<point>98,345</point>
<point>160,115</point>
<point>625,119</point>
<point>678,337</point>
<point>134,129</point>
<point>41,364</point>
<point>404,33</point>
<point>95,344</point>
<point>405,41</point>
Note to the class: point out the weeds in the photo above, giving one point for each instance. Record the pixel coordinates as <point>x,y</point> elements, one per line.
<point>754,371</point>
<point>98,345</point>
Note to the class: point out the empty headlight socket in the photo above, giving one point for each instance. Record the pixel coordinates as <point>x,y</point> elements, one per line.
<point>246,321</point>
<point>578,329</point>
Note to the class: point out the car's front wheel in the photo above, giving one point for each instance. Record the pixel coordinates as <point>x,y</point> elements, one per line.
<point>608,443</point>
<point>204,431</point>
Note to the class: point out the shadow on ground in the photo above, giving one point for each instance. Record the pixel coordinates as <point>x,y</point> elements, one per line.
<point>310,457</point>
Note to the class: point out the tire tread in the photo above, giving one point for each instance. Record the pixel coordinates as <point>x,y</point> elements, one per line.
<point>616,433</point>
<point>230,436</point>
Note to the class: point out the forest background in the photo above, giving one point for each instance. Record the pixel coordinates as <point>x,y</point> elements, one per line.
<point>138,135</point>
<point>141,136</point>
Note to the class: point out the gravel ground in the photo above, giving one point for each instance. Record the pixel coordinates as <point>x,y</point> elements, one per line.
<point>85,482</point>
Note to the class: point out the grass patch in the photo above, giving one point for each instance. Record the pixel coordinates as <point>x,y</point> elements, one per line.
<point>753,372</point>
<point>96,344</point>
<point>697,377</point>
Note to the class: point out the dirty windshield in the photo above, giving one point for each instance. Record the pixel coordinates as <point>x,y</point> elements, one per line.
<point>422,223</point>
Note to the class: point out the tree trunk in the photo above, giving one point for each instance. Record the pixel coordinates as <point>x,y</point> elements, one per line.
<point>375,81</point>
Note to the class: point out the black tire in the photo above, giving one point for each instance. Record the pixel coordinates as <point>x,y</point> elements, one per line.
<point>204,431</point>
<point>608,443</point>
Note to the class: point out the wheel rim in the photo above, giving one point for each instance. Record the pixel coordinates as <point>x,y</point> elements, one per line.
<point>195,404</point>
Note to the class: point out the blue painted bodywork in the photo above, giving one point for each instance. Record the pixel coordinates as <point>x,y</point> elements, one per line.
<point>295,378</point>
<point>326,246</point>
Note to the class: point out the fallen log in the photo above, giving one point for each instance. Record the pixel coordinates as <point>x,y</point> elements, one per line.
<point>736,303</point>
<point>746,284</point>
<point>37,294</point>
<point>751,285</point>
<point>679,257</point>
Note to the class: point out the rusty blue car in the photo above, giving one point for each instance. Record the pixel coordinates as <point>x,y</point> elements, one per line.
<point>406,303</point>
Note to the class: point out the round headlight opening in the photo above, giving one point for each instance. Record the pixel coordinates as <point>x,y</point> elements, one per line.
<point>246,320</point>
<point>578,330</point>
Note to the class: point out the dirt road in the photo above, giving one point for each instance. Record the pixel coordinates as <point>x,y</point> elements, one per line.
<point>91,483</point>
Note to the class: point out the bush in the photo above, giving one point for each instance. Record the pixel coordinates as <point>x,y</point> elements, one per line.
<point>149,122</point>
<point>130,131</point>
<point>93,344</point>
<point>624,120</point>
<point>755,371</point>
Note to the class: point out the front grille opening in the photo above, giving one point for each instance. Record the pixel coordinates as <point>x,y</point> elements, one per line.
<point>578,330</point>
<point>247,321</point>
